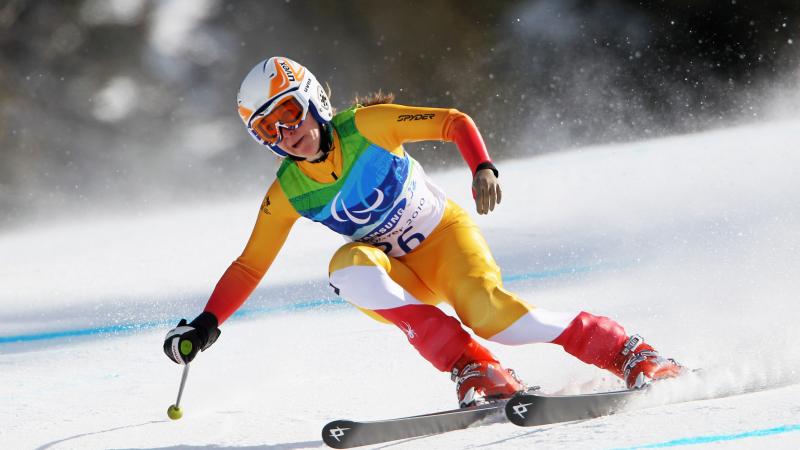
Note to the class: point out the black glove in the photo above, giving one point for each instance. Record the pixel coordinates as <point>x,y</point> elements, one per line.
<point>184,341</point>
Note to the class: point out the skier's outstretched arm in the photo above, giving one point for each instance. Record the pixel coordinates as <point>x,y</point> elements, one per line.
<point>390,125</point>
<point>275,220</point>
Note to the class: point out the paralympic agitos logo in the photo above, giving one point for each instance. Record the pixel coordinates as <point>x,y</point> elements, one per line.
<point>357,216</point>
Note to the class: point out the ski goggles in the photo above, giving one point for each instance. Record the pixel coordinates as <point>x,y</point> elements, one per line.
<point>288,112</point>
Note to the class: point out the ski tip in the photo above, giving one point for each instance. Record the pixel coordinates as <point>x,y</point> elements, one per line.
<point>336,434</point>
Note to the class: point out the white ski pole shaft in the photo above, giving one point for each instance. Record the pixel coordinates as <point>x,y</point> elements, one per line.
<point>183,383</point>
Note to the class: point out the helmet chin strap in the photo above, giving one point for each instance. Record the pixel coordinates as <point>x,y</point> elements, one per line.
<point>325,145</point>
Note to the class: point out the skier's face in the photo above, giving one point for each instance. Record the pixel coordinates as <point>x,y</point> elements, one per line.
<point>304,141</point>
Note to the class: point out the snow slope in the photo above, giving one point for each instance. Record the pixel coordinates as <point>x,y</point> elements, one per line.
<point>692,241</point>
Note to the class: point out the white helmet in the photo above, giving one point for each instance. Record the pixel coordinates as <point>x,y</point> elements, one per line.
<point>280,82</point>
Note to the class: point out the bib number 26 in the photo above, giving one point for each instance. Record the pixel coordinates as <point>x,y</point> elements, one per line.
<point>406,241</point>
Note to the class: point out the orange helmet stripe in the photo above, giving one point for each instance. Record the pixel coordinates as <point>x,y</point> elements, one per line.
<point>245,113</point>
<point>280,82</point>
<point>285,74</point>
<point>299,72</point>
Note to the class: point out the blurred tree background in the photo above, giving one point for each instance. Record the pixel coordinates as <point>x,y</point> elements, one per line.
<point>122,104</point>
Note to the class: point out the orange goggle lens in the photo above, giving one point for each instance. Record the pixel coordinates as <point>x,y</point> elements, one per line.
<point>289,112</point>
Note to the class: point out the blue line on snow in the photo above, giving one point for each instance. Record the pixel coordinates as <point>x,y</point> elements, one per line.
<point>696,440</point>
<point>128,328</point>
<point>546,274</point>
<point>112,329</point>
<point>252,311</point>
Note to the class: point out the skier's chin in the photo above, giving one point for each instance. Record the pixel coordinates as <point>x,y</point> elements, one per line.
<point>306,149</point>
<point>307,152</point>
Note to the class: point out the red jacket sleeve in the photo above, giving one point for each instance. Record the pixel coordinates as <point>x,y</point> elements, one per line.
<point>463,131</point>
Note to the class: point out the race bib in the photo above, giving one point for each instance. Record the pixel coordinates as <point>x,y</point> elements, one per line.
<point>415,214</point>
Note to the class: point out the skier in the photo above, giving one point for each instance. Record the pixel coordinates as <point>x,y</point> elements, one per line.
<point>410,246</point>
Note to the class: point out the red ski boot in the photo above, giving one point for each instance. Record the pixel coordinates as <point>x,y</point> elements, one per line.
<point>639,364</point>
<point>480,378</point>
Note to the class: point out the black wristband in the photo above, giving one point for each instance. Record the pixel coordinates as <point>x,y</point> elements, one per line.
<point>206,325</point>
<point>487,165</point>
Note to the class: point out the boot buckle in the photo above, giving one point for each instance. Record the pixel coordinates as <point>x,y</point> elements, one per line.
<point>631,344</point>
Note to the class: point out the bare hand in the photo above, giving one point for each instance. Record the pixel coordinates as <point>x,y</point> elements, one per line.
<point>487,191</point>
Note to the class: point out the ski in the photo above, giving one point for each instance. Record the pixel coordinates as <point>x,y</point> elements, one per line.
<point>531,408</point>
<point>349,433</point>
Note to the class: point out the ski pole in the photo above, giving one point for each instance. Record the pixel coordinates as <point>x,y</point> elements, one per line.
<point>174,411</point>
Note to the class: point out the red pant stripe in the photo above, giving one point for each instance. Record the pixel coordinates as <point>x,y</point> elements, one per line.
<point>594,340</point>
<point>438,337</point>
